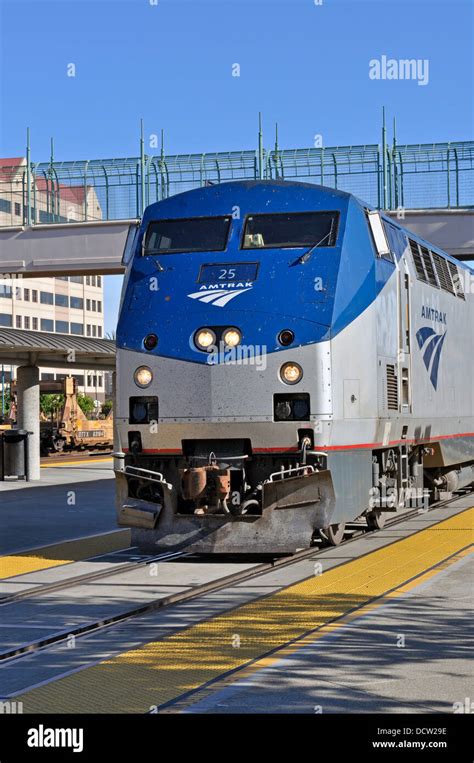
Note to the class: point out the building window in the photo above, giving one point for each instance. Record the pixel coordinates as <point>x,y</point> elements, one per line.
<point>26,295</point>
<point>62,278</point>
<point>18,321</point>
<point>99,306</point>
<point>99,280</point>
<point>5,291</point>
<point>5,320</point>
<point>89,381</point>
<point>88,327</point>
<point>88,280</point>
<point>47,324</point>
<point>80,379</point>
<point>77,328</point>
<point>35,324</point>
<point>17,292</point>
<point>88,304</point>
<point>62,327</point>
<point>77,303</point>
<point>62,300</point>
<point>76,279</point>
<point>99,330</point>
<point>99,381</point>
<point>94,330</point>
<point>26,322</point>
<point>5,206</point>
<point>17,209</point>
<point>46,297</point>
<point>34,295</point>
<point>47,376</point>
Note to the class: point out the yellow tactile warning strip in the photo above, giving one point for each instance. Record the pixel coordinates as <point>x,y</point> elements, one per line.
<point>88,461</point>
<point>161,671</point>
<point>63,553</point>
<point>183,704</point>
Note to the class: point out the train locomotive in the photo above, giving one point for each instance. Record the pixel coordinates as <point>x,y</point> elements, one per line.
<point>288,360</point>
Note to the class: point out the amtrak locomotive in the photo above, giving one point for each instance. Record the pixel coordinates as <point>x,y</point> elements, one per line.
<point>287,360</point>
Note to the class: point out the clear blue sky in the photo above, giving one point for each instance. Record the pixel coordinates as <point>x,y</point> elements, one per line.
<point>302,64</point>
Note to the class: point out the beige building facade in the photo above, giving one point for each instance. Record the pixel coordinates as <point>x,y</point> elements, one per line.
<point>67,304</point>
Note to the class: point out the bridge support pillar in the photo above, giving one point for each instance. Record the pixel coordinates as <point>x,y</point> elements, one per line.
<point>28,415</point>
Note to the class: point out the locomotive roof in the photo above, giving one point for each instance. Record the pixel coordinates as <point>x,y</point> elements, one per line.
<point>252,190</point>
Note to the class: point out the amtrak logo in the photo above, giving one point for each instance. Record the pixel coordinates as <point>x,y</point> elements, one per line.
<point>218,295</point>
<point>431,344</point>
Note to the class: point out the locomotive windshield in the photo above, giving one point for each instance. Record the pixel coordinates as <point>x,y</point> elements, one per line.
<point>289,230</point>
<point>196,234</point>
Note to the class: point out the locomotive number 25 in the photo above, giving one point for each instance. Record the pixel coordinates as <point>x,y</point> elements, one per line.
<point>226,274</point>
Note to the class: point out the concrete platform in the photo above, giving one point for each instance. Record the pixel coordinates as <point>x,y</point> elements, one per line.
<point>412,655</point>
<point>69,502</point>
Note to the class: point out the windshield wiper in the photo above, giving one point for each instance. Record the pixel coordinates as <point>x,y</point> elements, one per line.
<point>159,266</point>
<point>305,257</point>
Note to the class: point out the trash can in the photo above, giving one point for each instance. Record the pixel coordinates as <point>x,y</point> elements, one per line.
<point>13,460</point>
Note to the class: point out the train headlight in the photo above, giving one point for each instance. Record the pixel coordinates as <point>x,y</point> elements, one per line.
<point>204,339</point>
<point>291,373</point>
<point>143,376</point>
<point>232,337</point>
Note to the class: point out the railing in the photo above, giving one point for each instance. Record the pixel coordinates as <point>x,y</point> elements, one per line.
<point>429,176</point>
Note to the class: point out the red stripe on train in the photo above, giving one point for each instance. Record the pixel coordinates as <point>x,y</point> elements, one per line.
<point>360,445</point>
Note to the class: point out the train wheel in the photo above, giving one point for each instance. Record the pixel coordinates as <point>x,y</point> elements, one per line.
<point>376,520</point>
<point>333,534</point>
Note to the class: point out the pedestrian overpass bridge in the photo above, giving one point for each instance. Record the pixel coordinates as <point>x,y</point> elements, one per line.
<point>96,247</point>
<point>66,218</point>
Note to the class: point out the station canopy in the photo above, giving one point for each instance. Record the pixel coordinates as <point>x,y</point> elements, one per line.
<point>40,348</point>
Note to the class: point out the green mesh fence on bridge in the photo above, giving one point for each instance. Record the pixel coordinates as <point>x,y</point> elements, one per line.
<point>426,176</point>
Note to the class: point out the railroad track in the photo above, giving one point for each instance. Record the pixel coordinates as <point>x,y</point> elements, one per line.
<point>182,596</point>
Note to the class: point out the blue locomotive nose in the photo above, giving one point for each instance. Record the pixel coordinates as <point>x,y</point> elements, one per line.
<point>278,294</point>
<point>260,316</point>
<point>269,266</point>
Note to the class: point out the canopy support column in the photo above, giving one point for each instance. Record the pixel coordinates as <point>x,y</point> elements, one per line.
<point>28,397</point>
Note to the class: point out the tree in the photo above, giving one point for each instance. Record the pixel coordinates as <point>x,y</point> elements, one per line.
<point>107,407</point>
<point>86,403</point>
<point>6,403</point>
<point>51,404</point>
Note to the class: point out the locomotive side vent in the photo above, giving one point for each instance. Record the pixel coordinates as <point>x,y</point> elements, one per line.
<point>392,389</point>
<point>420,271</point>
<point>429,269</point>
<point>444,273</point>
<point>457,281</point>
